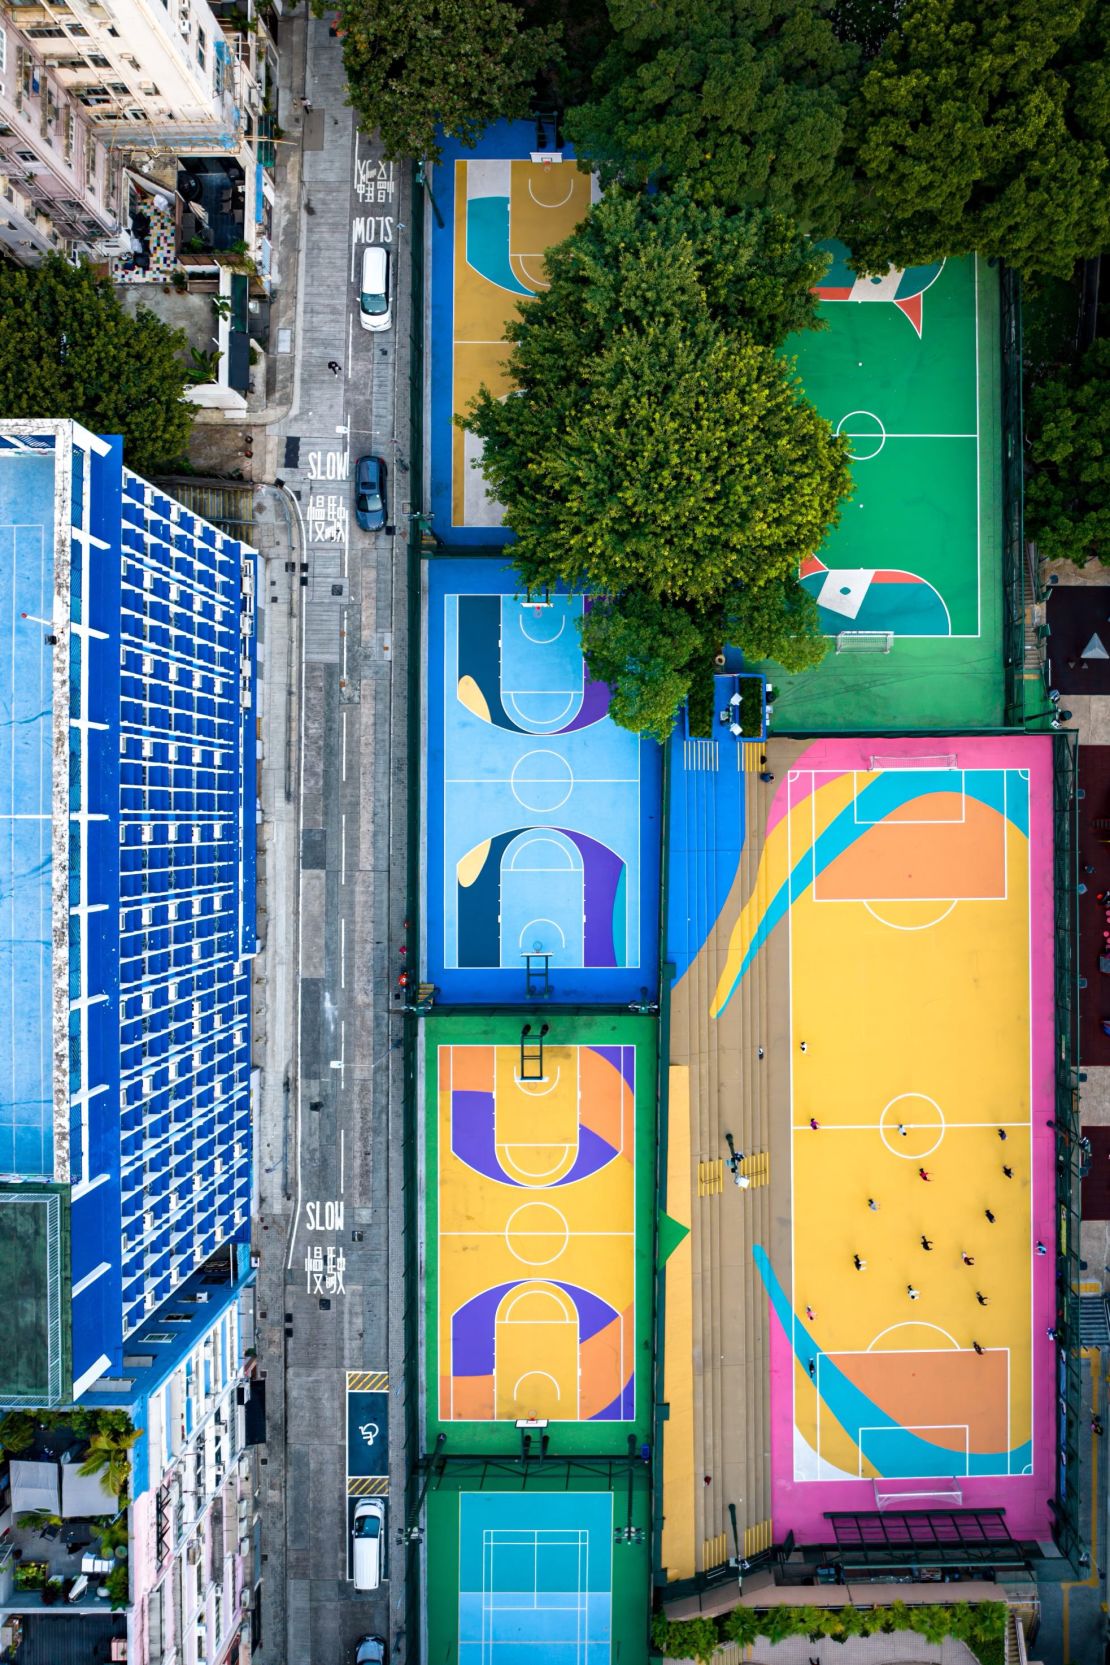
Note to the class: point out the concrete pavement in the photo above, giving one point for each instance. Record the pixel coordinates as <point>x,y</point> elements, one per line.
<point>328,1031</point>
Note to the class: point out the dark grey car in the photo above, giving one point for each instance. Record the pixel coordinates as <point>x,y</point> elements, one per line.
<point>370,493</point>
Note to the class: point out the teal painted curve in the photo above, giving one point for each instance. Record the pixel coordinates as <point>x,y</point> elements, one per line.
<point>891,790</point>
<point>859,1415</point>
<point>487,242</point>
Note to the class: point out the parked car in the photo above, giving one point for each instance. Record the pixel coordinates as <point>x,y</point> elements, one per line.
<point>373,299</point>
<point>368,1533</point>
<point>370,493</point>
<point>371,1650</point>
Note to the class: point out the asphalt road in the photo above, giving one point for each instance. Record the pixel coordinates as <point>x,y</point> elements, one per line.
<point>332,723</point>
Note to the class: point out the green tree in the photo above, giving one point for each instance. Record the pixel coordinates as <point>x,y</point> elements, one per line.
<point>745,99</point>
<point>983,124</point>
<point>658,450</point>
<point>108,1456</point>
<point>414,64</point>
<point>648,653</point>
<point>68,349</point>
<point>1067,487</point>
<point>777,620</point>
<point>684,1638</point>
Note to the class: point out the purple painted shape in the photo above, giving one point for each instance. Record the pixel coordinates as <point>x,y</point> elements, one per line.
<point>594,1153</point>
<point>473,1325</point>
<point>593,1312</point>
<point>595,695</point>
<point>622,1058</point>
<point>472,1331</point>
<point>623,1407</point>
<point>601,872</point>
<point>472,1133</point>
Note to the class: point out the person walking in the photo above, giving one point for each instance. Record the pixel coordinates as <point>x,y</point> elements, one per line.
<point>860,1265</point>
<point>926,1242</point>
<point>914,1294</point>
<point>1041,1250</point>
<point>1052,1333</point>
<point>766,776</point>
<point>1096,1425</point>
<point>989,1215</point>
<point>1009,1172</point>
<point>335,367</point>
<point>813,1370</point>
<point>981,1298</point>
<point>1002,1133</point>
<point>977,1348</point>
<point>814,1123</point>
<point>923,1174</point>
<point>872,1205</point>
<point>810,1314</point>
<point>968,1260</point>
<point>802,1047</point>
<point>902,1130</point>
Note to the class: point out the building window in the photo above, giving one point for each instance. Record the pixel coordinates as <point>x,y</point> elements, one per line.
<point>3,51</point>
<point>45,31</point>
<point>70,135</point>
<point>25,156</point>
<point>97,60</point>
<point>202,47</point>
<point>78,29</point>
<point>92,96</point>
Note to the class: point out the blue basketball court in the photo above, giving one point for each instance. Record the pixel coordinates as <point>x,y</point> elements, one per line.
<point>535,1578</point>
<point>543,815</point>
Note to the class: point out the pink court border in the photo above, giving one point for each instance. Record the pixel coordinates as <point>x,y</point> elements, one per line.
<point>801,1505</point>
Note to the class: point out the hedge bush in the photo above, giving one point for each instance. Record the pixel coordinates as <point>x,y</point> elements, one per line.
<point>981,1625</point>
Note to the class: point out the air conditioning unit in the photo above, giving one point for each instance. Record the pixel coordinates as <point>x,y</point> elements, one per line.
<point>245,1601</point>
<point>245,1549</point>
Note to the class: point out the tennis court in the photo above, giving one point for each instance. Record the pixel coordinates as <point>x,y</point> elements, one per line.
<point>556,1568</point>
<point>539,1164</point>
<point>543,815</point>
<point>503,206</point>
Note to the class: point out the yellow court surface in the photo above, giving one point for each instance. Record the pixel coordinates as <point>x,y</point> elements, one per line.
<point>906,896</point>
<point>508,213</point>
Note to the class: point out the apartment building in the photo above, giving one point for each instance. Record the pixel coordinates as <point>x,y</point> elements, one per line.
<point>129,916</point>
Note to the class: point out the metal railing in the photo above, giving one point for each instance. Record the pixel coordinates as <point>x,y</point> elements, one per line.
<point>1069,1153</point>
<point>410,1163</point>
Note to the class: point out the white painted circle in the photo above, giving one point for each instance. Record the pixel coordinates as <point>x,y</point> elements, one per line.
<point>865,433</point>
<point>541,781</point>
<point>538,1221</point>
<point>900,1110</point>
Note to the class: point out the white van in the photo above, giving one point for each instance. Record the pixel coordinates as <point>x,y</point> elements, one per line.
<point>366,1546</point>
<point>373,300</point>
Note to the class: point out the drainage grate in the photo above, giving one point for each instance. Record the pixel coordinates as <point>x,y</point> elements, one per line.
<point>1094,1323</point>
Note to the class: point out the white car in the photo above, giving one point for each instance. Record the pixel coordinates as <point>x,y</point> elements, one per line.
<point>367,1537</point>
<point>373,297</point>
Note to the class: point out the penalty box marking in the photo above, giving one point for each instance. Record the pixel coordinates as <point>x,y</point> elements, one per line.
<point>878,827</point>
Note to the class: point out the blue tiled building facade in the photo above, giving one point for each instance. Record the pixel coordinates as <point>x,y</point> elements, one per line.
<point>127,901</point>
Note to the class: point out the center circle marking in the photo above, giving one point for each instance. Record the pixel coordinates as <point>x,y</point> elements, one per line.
<point>542,781</point>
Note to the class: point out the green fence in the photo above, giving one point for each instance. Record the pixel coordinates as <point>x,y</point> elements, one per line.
<point>410,1168</point>
<point>1069,1154</point>
<point>1026,699</point>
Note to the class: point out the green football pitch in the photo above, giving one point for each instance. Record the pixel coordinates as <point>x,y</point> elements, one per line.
<point>915,563</point>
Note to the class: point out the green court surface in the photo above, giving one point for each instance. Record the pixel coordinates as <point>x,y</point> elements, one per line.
<point>539,1187</point>
<point>539,1565</point>
<point>917,553</point>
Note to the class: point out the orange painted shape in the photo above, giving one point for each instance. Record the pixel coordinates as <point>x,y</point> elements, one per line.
<point>606,1105</point>
<point>900,859</point>
<point>471,1068</point>
<point>936,1393</point>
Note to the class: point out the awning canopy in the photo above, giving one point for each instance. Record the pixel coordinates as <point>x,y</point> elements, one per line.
<point>34,1486</point>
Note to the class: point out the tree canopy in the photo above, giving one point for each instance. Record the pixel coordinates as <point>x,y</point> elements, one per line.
<point>1067,489</point>
<point>658,450</point>
<point>460,64</point>
<point>68,349</point>
<point>984,124</point>
<point>744,99</point>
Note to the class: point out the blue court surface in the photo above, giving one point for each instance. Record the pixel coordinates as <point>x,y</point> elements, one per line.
<point>543,816</point>
<point>535,1579</point>
<point>26,719</point>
